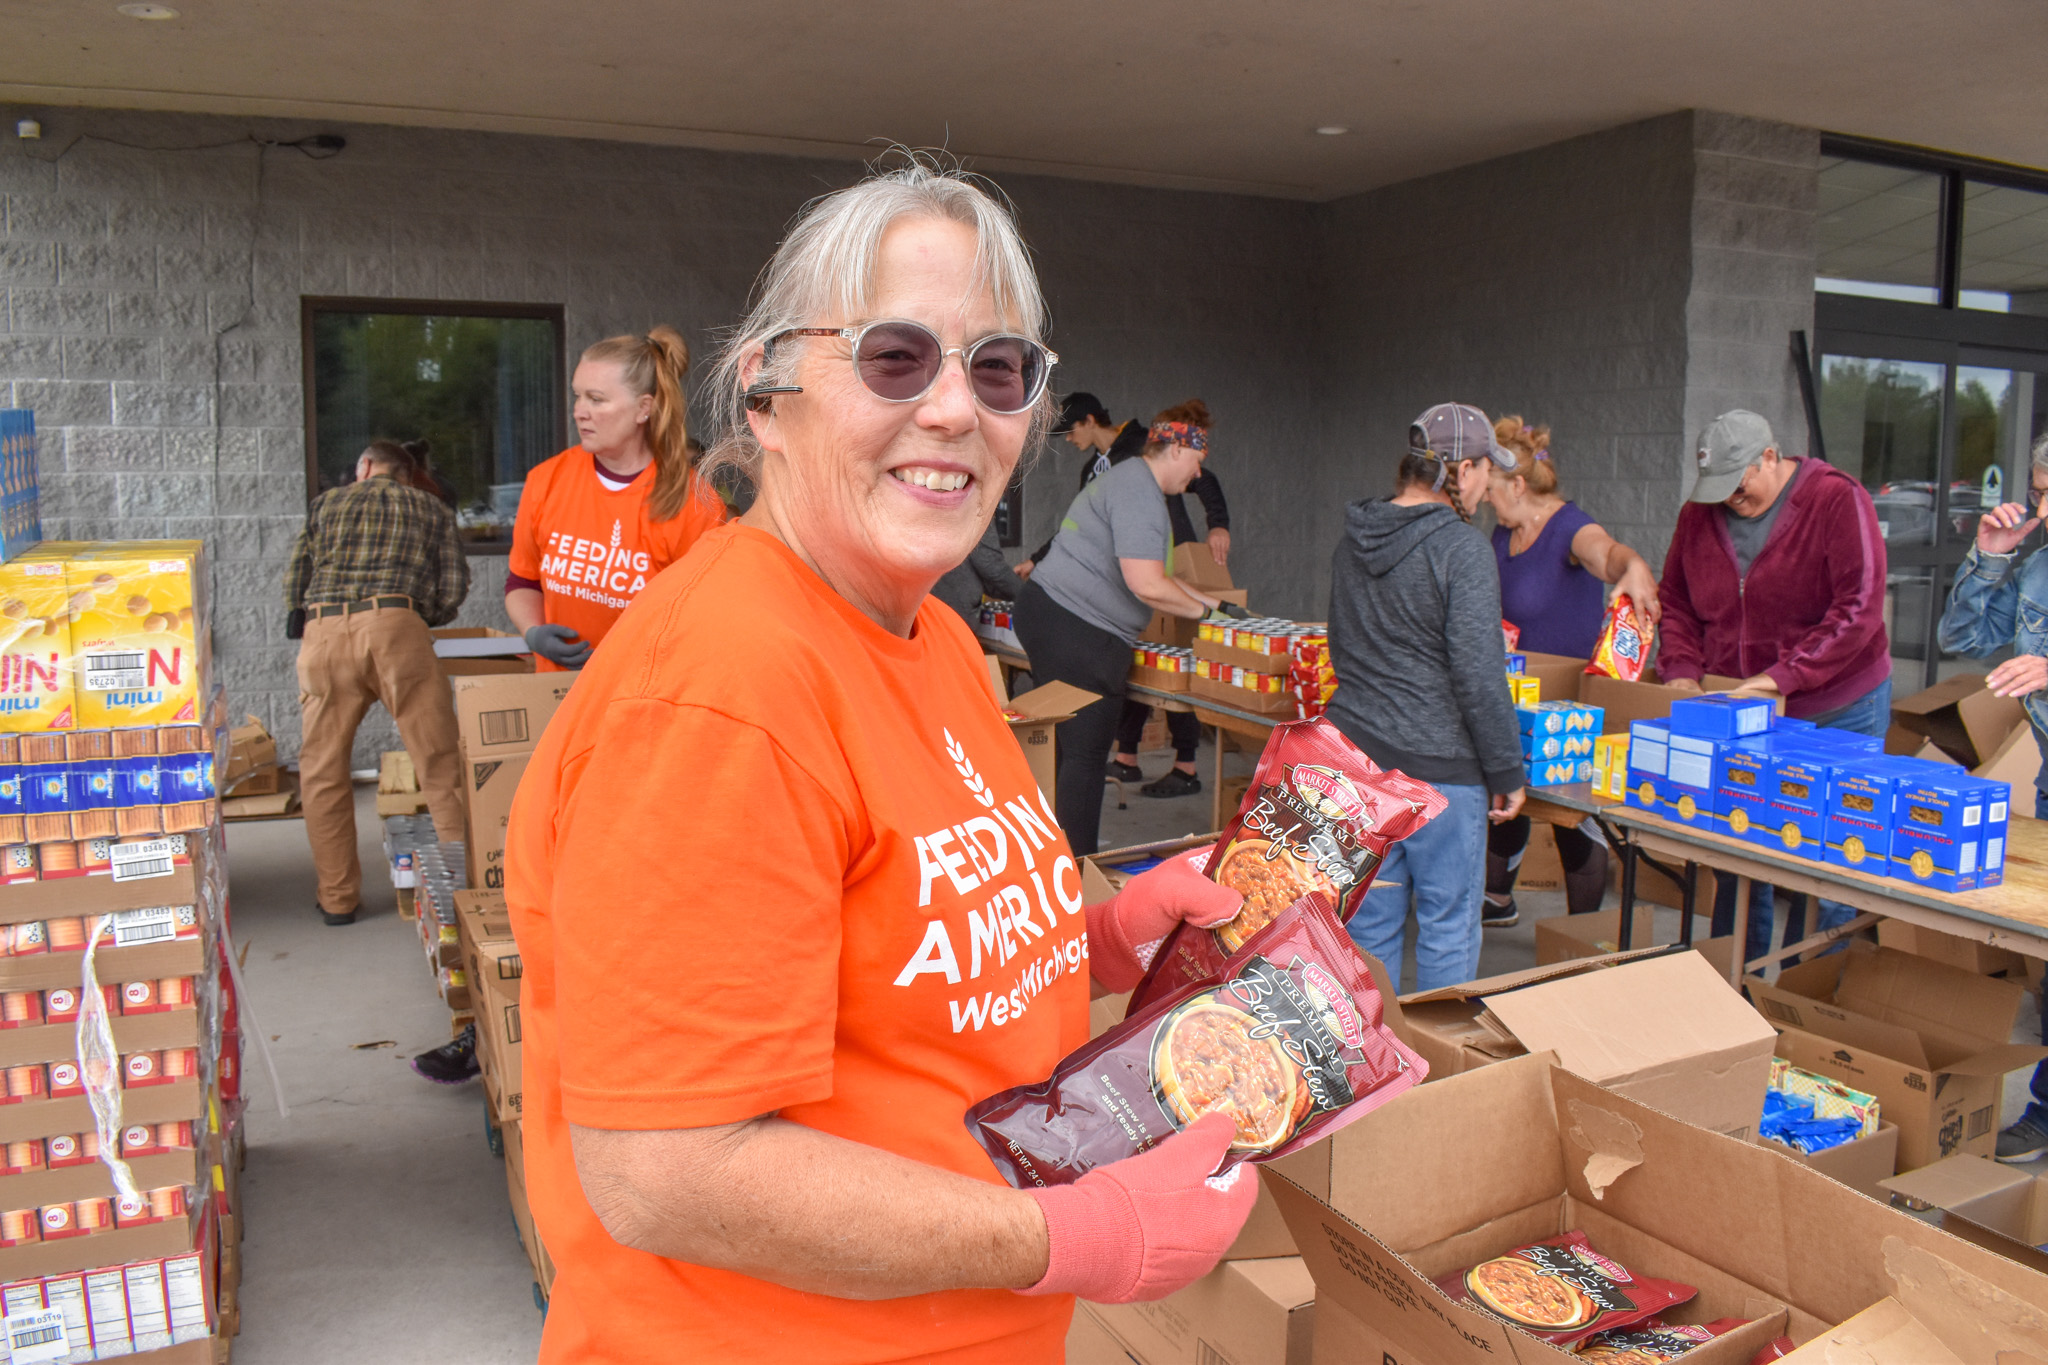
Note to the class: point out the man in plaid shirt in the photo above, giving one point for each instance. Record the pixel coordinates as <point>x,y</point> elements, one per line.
<point>378,563</point>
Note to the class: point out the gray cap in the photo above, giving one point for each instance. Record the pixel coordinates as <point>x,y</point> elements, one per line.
<point>1725,451</point>
<point>1455,433</point>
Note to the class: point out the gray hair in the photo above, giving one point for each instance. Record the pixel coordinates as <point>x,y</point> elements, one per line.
<point>2040,461</point>
<point>825,267</point>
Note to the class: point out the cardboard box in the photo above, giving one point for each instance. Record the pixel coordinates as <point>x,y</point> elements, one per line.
<point>1160,680</point>
<point>1999,1207</point>
<point>139,632</point>
<point>1663,1029</point>
<point>1032,717</point>
<point>2016,763</point>
<point>1883,1334</point>
<point>1259,1312</point>
<point>1862,1165</point>
<point>506,713</point>
<point>1929,1040</point>
<point>250,747</point>
<point>1557,675</point>
<point>1509,1154</point>
<point>1090,1343</point>
<point>1648,699</point>
<point>489,784</point>
<point>1952,949</point>
<point>1250,660</point>
<point>1961,718</point>
<point>490,959</point>
<point>1565,938</point>
<point>1279,705</point>
<point>36,661</point>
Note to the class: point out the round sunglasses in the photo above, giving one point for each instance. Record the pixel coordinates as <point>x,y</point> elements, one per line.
<point>899,362</point>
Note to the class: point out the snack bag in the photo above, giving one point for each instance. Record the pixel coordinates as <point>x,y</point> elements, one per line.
<point>1622,649</point>
<point>1653,1342</point>
<point>1777,1348</point>
<point>1510,635</point>
<point>1287,1040</point>
<point>1318,816</point>
<point>1562,1291</point>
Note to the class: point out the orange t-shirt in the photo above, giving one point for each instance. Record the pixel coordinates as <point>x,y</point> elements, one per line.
<point>771,857</point>
<point>593,549</point>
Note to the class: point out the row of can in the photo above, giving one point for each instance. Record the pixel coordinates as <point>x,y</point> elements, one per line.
<point>1164,658</point>
<point>60,1004</point>
<point>31,938</point>
<point>55,1080</point>
<point>53,1222</point>
<point>1263,635</point>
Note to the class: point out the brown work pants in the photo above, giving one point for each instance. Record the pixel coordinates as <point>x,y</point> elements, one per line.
<point>345,663</point>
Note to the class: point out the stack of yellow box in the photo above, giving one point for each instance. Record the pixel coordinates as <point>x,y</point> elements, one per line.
<point>1610,765</point>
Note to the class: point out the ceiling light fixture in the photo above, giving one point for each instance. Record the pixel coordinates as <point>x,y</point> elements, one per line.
<point>147,11</point>
<point>1333,130</point>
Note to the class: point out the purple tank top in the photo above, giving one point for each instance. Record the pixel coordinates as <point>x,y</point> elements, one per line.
<point>1557,604</point>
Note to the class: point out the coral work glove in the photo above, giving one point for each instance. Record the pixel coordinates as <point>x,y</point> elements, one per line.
<point>1125,931</point>
<point>1148,1225</point>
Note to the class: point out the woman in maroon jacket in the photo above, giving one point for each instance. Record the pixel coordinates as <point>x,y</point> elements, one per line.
<point>1776,576</point>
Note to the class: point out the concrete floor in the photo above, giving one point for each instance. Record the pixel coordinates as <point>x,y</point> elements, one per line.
<point>378,1227</point>
<point>377,1223</point>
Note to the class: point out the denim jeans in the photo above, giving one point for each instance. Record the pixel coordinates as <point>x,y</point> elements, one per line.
<point>1869,714</point>
<point>1441,869</point>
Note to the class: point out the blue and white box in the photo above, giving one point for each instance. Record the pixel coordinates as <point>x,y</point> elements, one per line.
<point>1720,717</point>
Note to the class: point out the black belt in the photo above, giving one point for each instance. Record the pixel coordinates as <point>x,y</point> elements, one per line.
<point>320,609</point>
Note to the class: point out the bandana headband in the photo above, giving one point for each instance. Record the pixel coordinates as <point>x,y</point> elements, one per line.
<point>1179,434</point>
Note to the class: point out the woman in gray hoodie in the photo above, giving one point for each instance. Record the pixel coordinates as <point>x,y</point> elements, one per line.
<point>1421,686</point>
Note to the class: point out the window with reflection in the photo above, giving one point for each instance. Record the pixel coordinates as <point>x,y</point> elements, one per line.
<point>1882,422</point>
<point>2004,249</point>
<point>1879,231</point>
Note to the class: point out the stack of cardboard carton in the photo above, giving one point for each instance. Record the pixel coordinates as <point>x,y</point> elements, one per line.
<point>113,921</point>
<point>500,719</point>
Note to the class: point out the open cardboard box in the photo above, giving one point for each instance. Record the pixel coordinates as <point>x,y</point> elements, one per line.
<point>1885,1333</point>
<point>1658,1026</point>
<point>1961,717</point>
<point>1196,564</point>
<point>1034,714</point>
<point>2001,1208</point>
<point>1465,1169</point>
<point>1565,938</point>
<point>1646,699</point>
<point>1863,1165</point>
<point>1244,1312</point>
<point>483,651</point>
<point>1953,949</point>
<point>1929,1040</point>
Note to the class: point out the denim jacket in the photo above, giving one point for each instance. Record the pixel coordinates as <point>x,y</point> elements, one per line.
<point>2001,600</point>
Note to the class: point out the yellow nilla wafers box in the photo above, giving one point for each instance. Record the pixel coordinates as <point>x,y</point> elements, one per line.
<point>138,631</point>
<point>36,663</point>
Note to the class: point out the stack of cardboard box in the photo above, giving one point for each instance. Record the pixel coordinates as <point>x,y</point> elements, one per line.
<point>500,719</point>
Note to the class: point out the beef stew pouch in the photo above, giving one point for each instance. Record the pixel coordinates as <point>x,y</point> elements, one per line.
<point>1562,1291</point>
<point>1287,1039</point>
<point>1319,816</point>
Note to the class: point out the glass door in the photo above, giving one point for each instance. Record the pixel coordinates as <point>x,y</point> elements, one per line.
<point>2001,402</point>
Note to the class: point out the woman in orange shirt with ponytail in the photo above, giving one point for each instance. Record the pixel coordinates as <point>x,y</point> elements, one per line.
<point>600,520</point>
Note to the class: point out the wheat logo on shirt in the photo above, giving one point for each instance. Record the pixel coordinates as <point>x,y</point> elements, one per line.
<point>1008,917</point>
<point>609,575</point>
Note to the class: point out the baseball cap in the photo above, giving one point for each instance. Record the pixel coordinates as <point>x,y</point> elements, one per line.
<point>1455,433</point>
<point>1077,406</point>
<point>1726,449</point>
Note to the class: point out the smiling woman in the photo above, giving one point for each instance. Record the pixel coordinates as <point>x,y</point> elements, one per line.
<point>764,1157</point>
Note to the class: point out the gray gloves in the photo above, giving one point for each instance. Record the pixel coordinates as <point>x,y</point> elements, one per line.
<point>558,645</point>
<point>1229,610</point>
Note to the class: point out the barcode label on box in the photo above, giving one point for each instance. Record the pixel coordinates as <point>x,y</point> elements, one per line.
<point>38,1336</point>
<point>1980,1123</point>
<point>150,858</point>
<point>153,924</point>
<point>503,727</point>
<point>1782,1012</point>
<point>116,672</point>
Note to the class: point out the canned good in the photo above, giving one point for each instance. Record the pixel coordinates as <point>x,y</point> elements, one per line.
<point>141,1068</point>
<point>64,1078</point>
<point>175,993</point>
<point>20,1225</point>
<point>94,1215</point>
<point>18,1008</point>
<point>137,1137</point>
<point>26,1083</point>
<point>138,997</point>
<point>26,940</point>
<point>64,1150</point>
<point>168,1202</point>
<point>175,1135</point>
<point>58,1220</point>
<point>128,1211</point>
<point>24,1156</point>
<point>67,935</point>
<point>180,1062</point>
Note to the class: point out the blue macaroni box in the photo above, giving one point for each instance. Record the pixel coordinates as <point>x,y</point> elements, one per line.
<point>1798,791</point>
<point>1997,812</point>
<point>1649,758</point>
<point>1858,831</point>
<point>1518,664</point>
<point>1719,717</point>
<point>1938,821</point>
<point>1742,790</point>
<point>1689,776</point>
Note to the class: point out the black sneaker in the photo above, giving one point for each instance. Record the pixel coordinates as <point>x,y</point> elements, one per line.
<point>451,1063</point>
<point>2024,1141</point>
<point>1492,916</point>
<point>1120,771</point>
<point>1176,783</point>
<point>329,917</point>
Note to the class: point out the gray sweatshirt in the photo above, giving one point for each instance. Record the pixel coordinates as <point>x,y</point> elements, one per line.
<point>1415,638</point>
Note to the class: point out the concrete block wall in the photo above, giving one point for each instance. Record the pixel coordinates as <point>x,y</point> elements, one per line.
<point>152,314</point>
